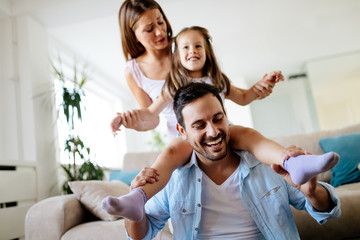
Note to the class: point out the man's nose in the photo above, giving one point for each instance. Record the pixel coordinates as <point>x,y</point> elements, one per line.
<point>212,130</point>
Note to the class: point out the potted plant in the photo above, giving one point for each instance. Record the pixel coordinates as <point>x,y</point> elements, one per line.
<point>80,167</point>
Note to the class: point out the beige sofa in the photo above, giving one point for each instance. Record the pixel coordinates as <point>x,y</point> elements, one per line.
<point>64,217</point>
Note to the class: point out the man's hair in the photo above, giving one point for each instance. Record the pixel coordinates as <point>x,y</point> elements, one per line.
<point>189,93</point>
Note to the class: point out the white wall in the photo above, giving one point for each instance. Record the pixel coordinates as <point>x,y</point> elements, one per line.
<point>27,132</point>
<point>335,81</point>
<point>288,110</point>
<point>9,134</point>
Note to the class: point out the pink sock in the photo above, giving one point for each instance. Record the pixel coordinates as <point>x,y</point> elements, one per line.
<point>130,206</point>
<point>302,168</point>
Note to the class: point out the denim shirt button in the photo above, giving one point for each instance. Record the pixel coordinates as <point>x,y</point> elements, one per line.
<point>199,180</point>
<point>199,205</point>
<point>196,229</point>
<point>184,210</point>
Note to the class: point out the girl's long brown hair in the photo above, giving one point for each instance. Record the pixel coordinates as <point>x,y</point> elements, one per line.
<point>179,76</point>
<point>130,11</point>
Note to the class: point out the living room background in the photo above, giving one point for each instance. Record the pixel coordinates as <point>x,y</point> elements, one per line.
<point>249,38</point>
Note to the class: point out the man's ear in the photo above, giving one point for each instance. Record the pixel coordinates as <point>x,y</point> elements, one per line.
<point>181,131</point>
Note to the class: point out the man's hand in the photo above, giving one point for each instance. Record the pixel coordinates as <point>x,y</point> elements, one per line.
<point>147,175</point>
<point>317,195</point>
<point>307,188</point>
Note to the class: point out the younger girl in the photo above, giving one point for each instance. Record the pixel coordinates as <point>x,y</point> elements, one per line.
<point>194,60</point>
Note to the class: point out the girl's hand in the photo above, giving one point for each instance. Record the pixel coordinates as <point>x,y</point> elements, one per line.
<point>147,175</point>
<point>264,87</point>
<point>131,119</point>
<point>116,124</point>
<point>274,76</point>
<point>293,151</point>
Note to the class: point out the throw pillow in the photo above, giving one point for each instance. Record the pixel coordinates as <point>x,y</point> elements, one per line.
<point>123,176</point>
<point>91,193</point>
<point>348,147</point>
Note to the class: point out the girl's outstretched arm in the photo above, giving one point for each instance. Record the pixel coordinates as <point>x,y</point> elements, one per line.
<point>300,167</point>
<point>259,90</point>
<point>131,206</point>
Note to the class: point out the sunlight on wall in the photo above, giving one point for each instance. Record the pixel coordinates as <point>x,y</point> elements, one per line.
<point>335,81</point>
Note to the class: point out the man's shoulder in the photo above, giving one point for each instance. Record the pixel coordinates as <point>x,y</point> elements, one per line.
<point>250,160</point>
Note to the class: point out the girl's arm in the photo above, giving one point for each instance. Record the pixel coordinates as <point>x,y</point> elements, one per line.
<point>176,154</point>
<point>241,96</point>
<point>259,90</point>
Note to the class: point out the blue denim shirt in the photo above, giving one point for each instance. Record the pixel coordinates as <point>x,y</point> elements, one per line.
<point>265,194</point>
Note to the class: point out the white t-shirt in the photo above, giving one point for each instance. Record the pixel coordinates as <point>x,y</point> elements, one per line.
<point>223,214</point>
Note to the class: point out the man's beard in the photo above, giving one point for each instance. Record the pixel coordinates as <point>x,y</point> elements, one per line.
<point>210,157</point>
<point>203,150</point>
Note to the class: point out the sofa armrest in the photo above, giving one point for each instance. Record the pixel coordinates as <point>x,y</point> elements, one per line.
<point>345,227</point>
<point>52,217</point>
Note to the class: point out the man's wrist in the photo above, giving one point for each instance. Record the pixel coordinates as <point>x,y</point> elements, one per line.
<point>319,198</point>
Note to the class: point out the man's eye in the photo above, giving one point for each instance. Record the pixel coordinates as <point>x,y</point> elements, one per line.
<point>149,30</point>
<point>216,120</point>
<point>199,126</point>
<point>160,23</point>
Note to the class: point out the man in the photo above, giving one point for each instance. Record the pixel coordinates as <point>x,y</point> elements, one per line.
<point>225,194</point>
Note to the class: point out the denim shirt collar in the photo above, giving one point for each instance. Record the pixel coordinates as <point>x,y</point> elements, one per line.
<point>193,161</point>
<point>247,161</point>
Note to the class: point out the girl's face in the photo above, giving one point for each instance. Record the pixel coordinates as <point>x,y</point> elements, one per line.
<point>192,54</point>
<point>151,30</point>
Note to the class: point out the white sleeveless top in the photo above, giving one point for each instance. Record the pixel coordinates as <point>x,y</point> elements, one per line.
<point>153,89</point>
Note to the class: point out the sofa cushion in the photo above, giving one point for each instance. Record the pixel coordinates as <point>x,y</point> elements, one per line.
<point>348,147</point>
<point>91,193</point>
<point>123,176</point>
<point>310,142</point>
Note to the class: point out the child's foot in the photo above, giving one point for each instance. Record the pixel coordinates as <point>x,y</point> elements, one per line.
<point>130,206</point>
<point>302,168</point>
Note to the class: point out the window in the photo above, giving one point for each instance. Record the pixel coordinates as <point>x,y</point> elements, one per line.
<point>94,129</point>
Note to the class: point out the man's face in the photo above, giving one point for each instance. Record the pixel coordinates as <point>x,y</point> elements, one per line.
<point>206,128</point>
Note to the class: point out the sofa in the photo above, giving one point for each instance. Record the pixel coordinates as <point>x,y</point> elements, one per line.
<point>69,217</point>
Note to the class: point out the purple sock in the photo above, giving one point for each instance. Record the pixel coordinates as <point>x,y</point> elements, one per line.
<point>302,168</point>
<point>130,206</point>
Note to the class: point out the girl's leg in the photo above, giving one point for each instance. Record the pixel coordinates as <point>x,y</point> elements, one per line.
<point>131,206</point>
<point>300,167</point>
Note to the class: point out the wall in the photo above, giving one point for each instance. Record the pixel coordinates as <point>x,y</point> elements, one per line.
<point>288,110</point>
<point>27,121</point>
<point>335,81</point>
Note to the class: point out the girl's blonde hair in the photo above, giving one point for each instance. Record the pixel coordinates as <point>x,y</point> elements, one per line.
<point>179,76</point>
<point>129,13</point>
